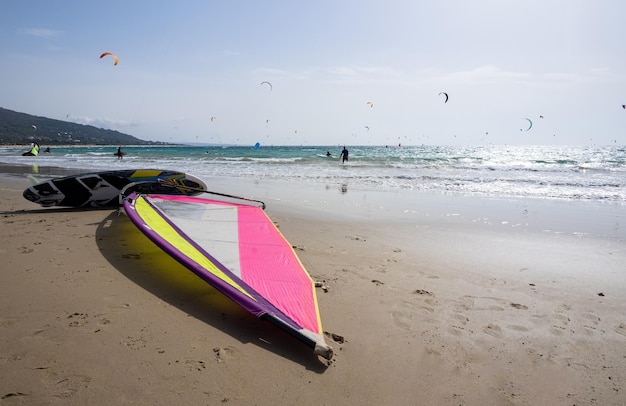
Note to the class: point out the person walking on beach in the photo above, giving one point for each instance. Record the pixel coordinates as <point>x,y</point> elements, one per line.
<point>344,154</point>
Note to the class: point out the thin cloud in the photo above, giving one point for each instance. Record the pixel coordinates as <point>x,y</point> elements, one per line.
<point>363,72</point>
<point>358,75</point>
<point>101,122</point>
<point>490,74</point>
<point>42,32</point>
<point>485,74</point>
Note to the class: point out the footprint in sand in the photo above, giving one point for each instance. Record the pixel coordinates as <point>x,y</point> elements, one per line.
<point>224,354</point>
<point>517,327</point>
<point>460,318</point>
<point>77,319</point>
<point>562,319</point>
<point>8,321</point>
<point>26,250</point>
<point>103,321</point>
<point>592,318</point>
<point>493,330</point>
<point>117,307</point>
<point>335,337</point>
<point>401,319</point>
<point>591,322</point>
<point>487,303</point>
<point>557,330</point>
<point>483,303</point>
<point>193,365</point>
<point>428,305</point>
<point>428,276</point>
<point>65,386</point>
<point>621,329</point>
<point>458,323</point>
<point>135,343</point>
<point>405,314</point>
<point>490,303</point>
<point>564,307</point>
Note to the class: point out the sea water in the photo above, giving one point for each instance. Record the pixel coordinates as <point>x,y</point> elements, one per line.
<point>574,190</point>
<point>593,173</point>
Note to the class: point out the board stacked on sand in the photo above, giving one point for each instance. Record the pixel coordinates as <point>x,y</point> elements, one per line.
<point>103,189</point>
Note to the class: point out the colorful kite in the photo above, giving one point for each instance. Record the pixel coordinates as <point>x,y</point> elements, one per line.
<point>116,60</point>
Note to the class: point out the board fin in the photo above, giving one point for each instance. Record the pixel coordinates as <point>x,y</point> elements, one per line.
<point>33,180</point>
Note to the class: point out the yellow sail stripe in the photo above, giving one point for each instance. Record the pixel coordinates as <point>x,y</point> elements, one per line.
<point>157,223</point>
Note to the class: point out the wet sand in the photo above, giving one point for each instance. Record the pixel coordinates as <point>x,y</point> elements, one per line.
<point>441,300</point>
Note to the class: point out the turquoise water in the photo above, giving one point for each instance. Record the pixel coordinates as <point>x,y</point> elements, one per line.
<point>567,172</point>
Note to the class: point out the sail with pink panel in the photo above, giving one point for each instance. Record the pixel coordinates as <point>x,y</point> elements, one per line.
<point>238,250</point>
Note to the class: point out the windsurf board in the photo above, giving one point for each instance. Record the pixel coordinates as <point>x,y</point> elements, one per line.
<point>104,189</point>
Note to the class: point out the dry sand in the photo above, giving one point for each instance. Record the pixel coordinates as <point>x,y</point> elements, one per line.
<point>433,312</point>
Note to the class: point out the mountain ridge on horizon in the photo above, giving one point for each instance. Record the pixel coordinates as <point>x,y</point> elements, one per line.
<point>18,128</point>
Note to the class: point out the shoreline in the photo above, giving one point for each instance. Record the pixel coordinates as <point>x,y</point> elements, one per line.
<point>441,299</point>
<point>605,219</point>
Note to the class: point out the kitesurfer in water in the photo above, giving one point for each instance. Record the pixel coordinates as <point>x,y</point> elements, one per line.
<point>328,153</point>
<point>119,153</point>
<point>344,154</point>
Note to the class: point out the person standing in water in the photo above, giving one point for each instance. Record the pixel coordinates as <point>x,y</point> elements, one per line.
<point>119,153</point>
<point>344,154</point>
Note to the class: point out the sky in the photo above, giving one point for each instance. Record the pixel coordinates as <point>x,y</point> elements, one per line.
<point>363,72</point>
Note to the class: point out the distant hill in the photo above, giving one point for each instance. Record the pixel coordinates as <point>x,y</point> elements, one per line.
<point>21,128</point>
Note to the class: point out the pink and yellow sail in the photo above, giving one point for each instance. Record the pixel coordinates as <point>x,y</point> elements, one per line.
<point>238,250</point>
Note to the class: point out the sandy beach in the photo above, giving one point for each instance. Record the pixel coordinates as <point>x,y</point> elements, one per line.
<point>441,300</point>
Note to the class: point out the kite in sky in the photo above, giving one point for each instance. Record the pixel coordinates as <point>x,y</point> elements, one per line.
<point>265,82</point>
<point>445,94</point>
<point>116,60</point>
